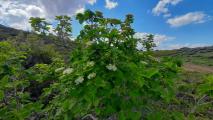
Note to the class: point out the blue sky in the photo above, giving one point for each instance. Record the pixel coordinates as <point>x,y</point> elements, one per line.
<point>176,23</point>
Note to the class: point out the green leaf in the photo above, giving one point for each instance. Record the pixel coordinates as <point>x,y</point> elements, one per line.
<point>121,116</point>
<point>151,72</point>
<point>155,116</point>
<point>1,95</point>
<point>178,116</point>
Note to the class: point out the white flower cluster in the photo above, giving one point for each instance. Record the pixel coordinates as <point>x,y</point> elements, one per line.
<point>68,71</point>
<point>79,80</point>
<point>91,75</point>
<point>111,67</point>
<point>154,58</point>
<point>90,64</point>
<point>59,69</point>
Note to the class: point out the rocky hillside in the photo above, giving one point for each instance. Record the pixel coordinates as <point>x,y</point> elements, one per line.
<point>7,33</point>
<point>40,49</point>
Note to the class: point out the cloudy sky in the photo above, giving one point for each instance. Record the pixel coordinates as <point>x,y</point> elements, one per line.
<point>175,23</point>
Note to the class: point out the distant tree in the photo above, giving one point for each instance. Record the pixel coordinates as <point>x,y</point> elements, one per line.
<point>39,25</point>
<point>63,28</point>
<point>148,42</point>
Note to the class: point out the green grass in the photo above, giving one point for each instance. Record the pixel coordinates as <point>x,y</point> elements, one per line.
<point>187,95</point>
<point>194,105</point>
<point>199,56</point>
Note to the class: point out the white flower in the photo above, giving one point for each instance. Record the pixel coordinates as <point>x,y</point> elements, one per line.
<point>79,80</point>
<point>59,69</point>
<point>111,67</point>
<point>68,71</point>
<point>91,75</point>
<point>154,59</point>
<point>90,64</point>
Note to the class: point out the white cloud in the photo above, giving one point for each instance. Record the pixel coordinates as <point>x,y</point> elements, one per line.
<point>178,46</point>
<point>162,7</point>
<point>158,38</point>
<point>162,38</point>
<point>16,13</point>
<point>167,15</point>
<point>81,10</point>
<point>110,4</point>
<point>189,18</point>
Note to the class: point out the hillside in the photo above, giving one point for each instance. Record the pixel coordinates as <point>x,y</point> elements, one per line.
<point>23,37</point>
<point>200,55</point>
<point>6,32</point>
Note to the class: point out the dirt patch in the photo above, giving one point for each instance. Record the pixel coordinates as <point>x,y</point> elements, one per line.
<point>197,68</point>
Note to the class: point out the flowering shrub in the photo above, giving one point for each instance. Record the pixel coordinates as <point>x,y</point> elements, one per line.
<point>109,77</point>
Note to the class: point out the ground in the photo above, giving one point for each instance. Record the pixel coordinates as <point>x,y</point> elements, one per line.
<point>190,67</point>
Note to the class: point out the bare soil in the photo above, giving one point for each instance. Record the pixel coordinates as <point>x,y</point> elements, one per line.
<point>197,68</point>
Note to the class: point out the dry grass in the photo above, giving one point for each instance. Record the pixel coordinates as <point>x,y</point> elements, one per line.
<point>197,68</point>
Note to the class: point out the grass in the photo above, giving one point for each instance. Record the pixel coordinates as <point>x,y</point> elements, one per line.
<point>198,56</point>
<point>189,101</point>
<point>194,105</point>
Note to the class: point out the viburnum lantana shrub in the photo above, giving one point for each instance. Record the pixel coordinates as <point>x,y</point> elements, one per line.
<point>108,77</point>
